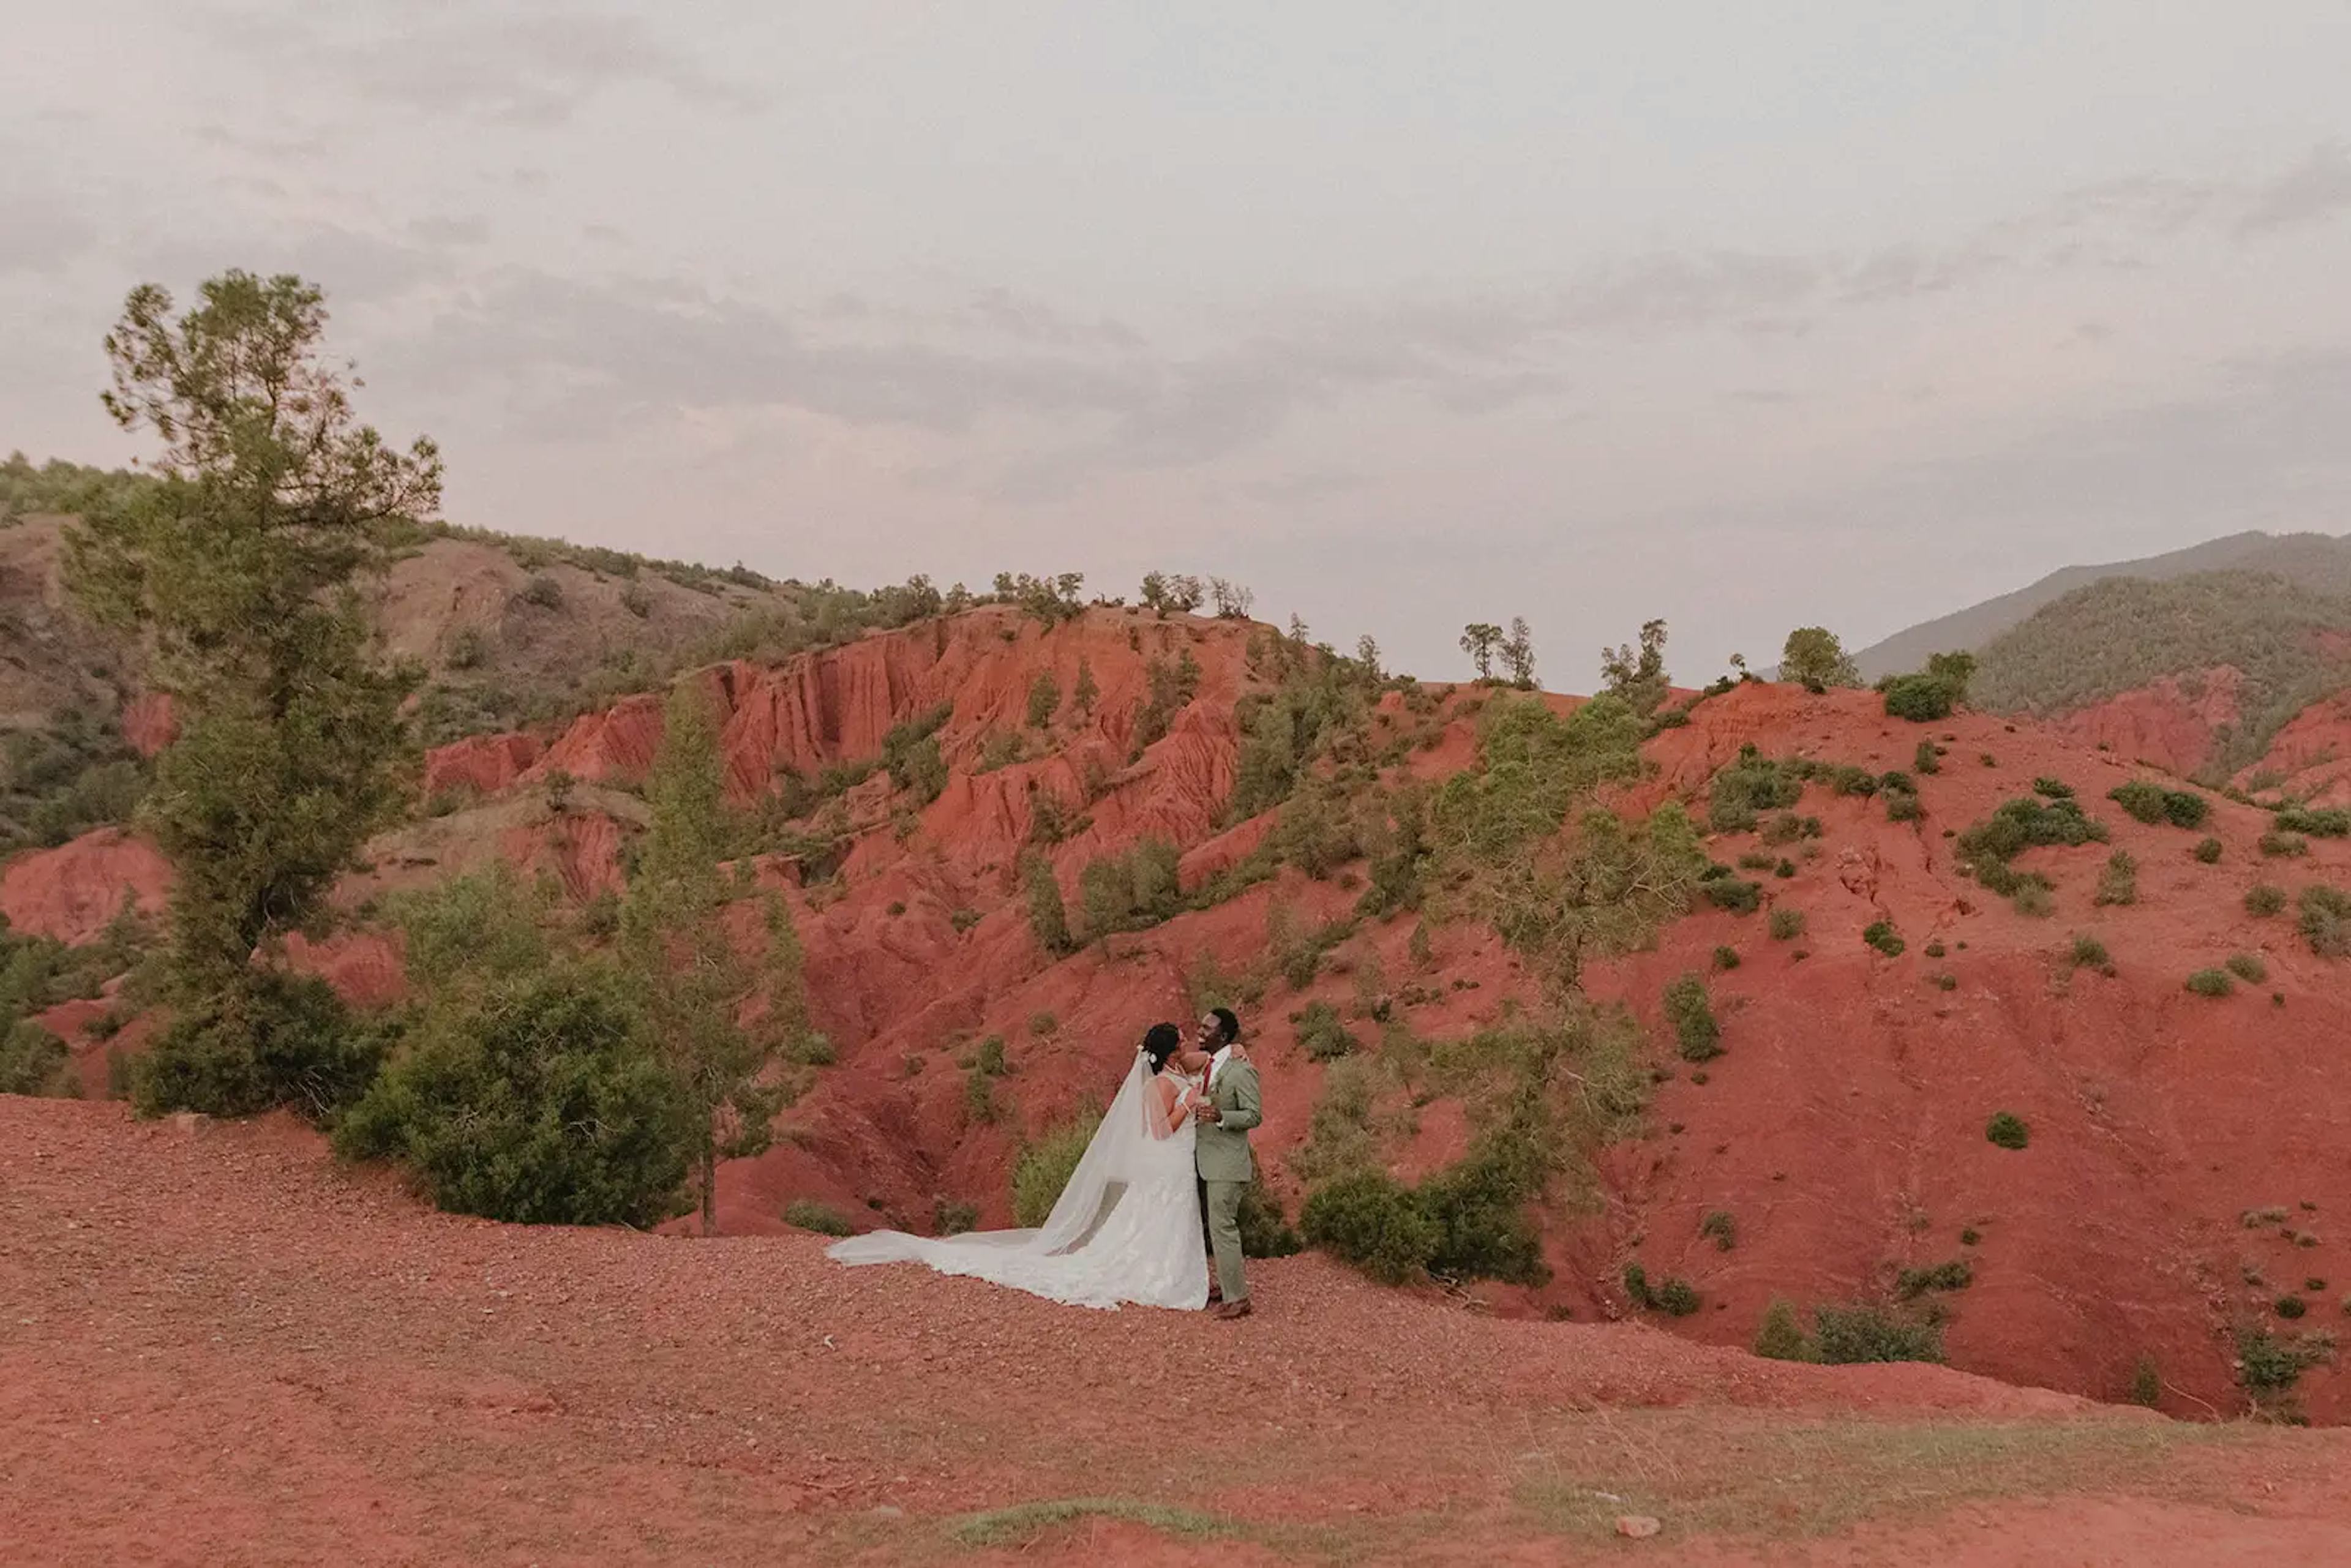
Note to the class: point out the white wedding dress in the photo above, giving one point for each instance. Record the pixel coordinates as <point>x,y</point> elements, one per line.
<point>1125,1229</point>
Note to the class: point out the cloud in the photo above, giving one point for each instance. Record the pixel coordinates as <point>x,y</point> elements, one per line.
<point>445,231</point>
<point>518,65</point>
<point>2316,189</point>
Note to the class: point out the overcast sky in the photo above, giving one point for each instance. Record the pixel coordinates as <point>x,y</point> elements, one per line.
<point>1746,315</point>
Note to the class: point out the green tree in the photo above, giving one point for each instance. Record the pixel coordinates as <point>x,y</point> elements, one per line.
<point>241,565</point>
<point>1480,640</point>
<point>1083,695</point>
<point>1517,654</point>
<point>1049,917</point>
<point>1639,678</point>
<point>719,1021</point>
<point>1813,657</point>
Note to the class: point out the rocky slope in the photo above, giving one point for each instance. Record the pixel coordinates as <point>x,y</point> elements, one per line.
<point>1842,1132</point>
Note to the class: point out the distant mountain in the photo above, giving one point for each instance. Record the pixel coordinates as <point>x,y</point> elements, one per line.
<point>2316,561</point>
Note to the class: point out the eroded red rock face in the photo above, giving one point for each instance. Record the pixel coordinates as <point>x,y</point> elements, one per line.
<point>1842,1130</point>
<point>2309,759</point>
<point>483,764</point>
<point>71,892</point>
<point>149,723</point>
<point>2169,723</point>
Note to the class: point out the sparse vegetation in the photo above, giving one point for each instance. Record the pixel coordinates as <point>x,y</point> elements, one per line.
<point>1322,1034</point>
<point>1849,1335</point>
<point>808,1214</point>
<point>1932,693</point>
<point>1042,1170</point>
<point>1987,848</point>
<point>1721,1228</point>
<point>2325,920</point>
<point>2208,850</point>
<point>2210,983</point>
<point>2149,802</point>
<point>1786,923</point>
<point>1699,1038</point>
<point>2263,900</point>
<point>2007,1130</point>
<point>2118,883</point>
<point>1881,935</point>
<point>2247,968</point>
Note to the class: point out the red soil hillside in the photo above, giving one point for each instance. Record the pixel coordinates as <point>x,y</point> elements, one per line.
<point>1843,1132</point>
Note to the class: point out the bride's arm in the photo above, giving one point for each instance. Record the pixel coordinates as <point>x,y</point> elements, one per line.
<point>1173,1106</point>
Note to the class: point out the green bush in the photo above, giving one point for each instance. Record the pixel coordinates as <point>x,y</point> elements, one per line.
<point>2268,1365</point>
<point>2209,850</point>
<point>1677,1298</point>
<point>2211,983</point>
<point>537,1101</point>
<point>2290,1307</point>
<point>1722,1226</point>
<point>1788,827</point>
<point>1735,893</point>
<point>1778,1337</point>
<point>989,1059</point>
<point>34,1062</point>
<point>2150,802</point>
<point>2008,1130</point>
<point>2283,846</point>
<point>2017,825</point>
<point>2262,900</point>
<point>808,1214</point>
<point>1955,1275</point>
<point>1726,958</point>
<point>2089,953</point>
<point>2325,920</point>
<point>1478,1205</point>
<point>1787,923</point>
<point>1322,1034</point>
<point>1044,699</point>
<point>281,1039</point>
<point>2248,968</point>
<point>2329,822</point>
<point>1368,1219</point>
<point>2118,883</point>
<point>1692,1012</point>
<point>1927,759</point>
<point>1748,787</point>
<point>2055,789</point>
<point>1128,891</point>
<point>949,1217</point>
<point>1881,935</point>
<point>2147,1384</point>
<point>1922,700</point>
<point>1044,1169</point>
<point>1265,1229</point>
<point>1848,1336</point>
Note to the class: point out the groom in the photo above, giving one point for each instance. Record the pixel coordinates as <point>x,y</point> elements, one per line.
<point>1221,1151</point>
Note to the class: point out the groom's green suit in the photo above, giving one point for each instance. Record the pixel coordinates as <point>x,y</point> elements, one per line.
<point>1221,1150</point>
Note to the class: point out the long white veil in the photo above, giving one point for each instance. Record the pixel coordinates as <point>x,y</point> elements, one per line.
<point>1130,1145</point>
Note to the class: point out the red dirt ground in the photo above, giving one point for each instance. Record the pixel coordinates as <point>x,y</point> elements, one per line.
<point>217,1346</point>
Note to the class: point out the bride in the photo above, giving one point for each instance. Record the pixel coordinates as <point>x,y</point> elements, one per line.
<point>1126,1226</point>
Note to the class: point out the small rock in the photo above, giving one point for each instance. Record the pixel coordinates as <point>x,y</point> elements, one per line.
<point>1637,1526</point>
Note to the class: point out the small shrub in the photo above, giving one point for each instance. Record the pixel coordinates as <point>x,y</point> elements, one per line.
<point>980,1098</point>
<point>2290,1307</point>
<point>1370,1220</point>
<point>990,1058</point>
<point>1850,1335</point>
<point>2263,900</point>
<point>2089,953</point>
<point>1778,1337</point>
<point>1734,894</point>
<point>1970,1237</point>
<point>1956,1275</point>
<point>2146,1386</point>
<point>1043,1170</point>
<point>2283,846</point>
<point>1922,700</point>
<point>1264,1230</point>
<point>1787,828</point>
<point>1927,759</point>
<point>2210,983</point>
<point>34,1062</point>
<point>2248,968</point>
<point>1755,861</point>
<point>2055,789</point>
<point>2268,1365</point>
<point>2325,920</point>
<point>1787,925</point>
<point>1935,948</point>
<point>2329,822</point>
<point>1881,935</point>
<point>2032,898</point>
<point>1699,1037</point>
<point>2118,883</point>
<point>636,600</point>
<point>2208,851</point>
<point>1718,1225</point>
<point>1323,1035</point>
<point>2008,1130</point>
<point>1042,1024</point>
<point>1676,1298</point>
<point>1944,980</point>
<point>2149,802</point>
<point>808,1214</point>
<point>1726,958</point>
<point>1785,868</point>
<point>952,1219</point>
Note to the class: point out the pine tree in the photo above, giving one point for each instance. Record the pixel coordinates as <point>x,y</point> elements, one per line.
<point>1518,652</point>
<point>719,1020</point>
<point>1479,639</point>
<point>242,564</point>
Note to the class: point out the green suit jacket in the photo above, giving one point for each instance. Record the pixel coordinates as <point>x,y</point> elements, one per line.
<point>1221,1148</point>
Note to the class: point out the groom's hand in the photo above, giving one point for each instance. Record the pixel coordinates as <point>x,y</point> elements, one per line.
<point>1209,1113</point>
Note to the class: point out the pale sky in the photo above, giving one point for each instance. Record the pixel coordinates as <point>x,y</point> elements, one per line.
<point>1746,315</point>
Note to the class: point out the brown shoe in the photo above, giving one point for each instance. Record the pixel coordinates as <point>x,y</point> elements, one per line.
<point>1215,1292</point>
<point>1232,1310</point>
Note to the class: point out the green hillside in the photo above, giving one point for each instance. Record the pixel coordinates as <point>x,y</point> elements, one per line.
<point>2113,636</point>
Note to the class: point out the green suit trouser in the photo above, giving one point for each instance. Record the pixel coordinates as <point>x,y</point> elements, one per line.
<point>1221,1205</point>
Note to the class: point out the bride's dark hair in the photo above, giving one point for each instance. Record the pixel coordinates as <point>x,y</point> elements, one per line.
<point>1161,1042</point>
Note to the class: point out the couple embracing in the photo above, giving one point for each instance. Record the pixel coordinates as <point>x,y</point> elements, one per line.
<point>1169,1164</point>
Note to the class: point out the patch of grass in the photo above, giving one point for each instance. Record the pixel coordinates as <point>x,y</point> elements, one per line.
<point>1718,1225</point>
<point>1881,935</point>
<point>1786,925</point>
<point>2208,851</point>
<point>2248,968</point>
<point>1726,958</point>
<point>808,1214</point>
<point>2008,1130</point>
<point>2211,983</point>
<point>1957,1274</point>
<point>2264,899</point>
<point>2118,883</point>
<point>1023,1524</point>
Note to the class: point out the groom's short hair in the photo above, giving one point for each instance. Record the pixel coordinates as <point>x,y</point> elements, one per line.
<point>1228,1024</point>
